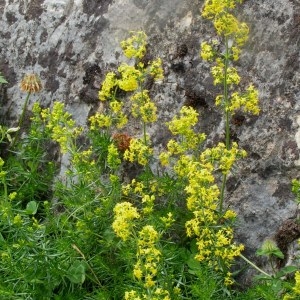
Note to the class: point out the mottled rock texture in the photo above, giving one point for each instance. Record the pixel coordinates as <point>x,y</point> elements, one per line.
<point>71,44</point>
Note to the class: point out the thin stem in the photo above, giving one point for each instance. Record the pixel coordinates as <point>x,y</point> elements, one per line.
<point>24,109</point>
<point>225,93</point>
<point>89,266</point>
<point>224,180</point>
<point>227,129</point>
<point>254,266</point>
<point>21,118</point>
<point>145,133</point>
<point>5,189</point>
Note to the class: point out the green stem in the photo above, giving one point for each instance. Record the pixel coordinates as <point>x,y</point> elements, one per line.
<point>224,180</point>
<point>145,133</point>
<point>225,93</point>
<point>21,119</point>
<point>5,189</point>
<point>227,117</point>
<point>254,266</point>
<point>24,109</point>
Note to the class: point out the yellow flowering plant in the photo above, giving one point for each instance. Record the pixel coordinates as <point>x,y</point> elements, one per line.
<point>110,226</point>
<point>234,35</point>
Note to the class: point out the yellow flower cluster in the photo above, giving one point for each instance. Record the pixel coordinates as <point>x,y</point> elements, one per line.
<point>225,23</point>
<point>2,173</point>
<point>218,72</point>
<point>108,84</point>
<point>132,295</point>
<point>130,78</point>
<point>143,107</point>
<point>188,118</point>
<point>138,151</point>
<point>124,214</point>
<point>155,69</point>
<point>296,289</point>
<point>188,140</point>
<point>148,256</point>
<point>158,294</point>
<point>99,121</point>
<point>83,157</point>
<point>213,8</point>
<point>18,220</point>
<point>135,186</point>
<point>115,117</point>
<point>83,229</point>
<point>146,194</point>
<point>61,125</point>
<point>135,46</point>
<point>207,51</point>
<point>83,165</point>
<point>183,127</point>
<point>223,157</point>
<point>168,220</point>
<point>37,122</point>
<point>148,203</point>
<point>214,241</point>
<point>247,101</point>
<point>113,159</point>
<point>118,117</point>
<point>235,35</point>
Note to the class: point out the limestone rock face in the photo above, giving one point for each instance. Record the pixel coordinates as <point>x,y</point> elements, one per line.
<point>71,44</point>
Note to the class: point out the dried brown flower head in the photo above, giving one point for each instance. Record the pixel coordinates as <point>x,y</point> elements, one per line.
<point>122,141</point>
<point>31,83</point>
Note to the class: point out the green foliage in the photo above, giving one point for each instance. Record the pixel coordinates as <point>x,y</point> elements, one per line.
<point>2,79</point>
<point>296,189</point>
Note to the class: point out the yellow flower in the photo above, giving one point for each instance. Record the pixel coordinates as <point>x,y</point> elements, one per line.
<point>229,214</point>
<point>108,84</point>
<point>207,52</point>
<point>228,279</point>
<point>148,112</point>
<point>138,151</point>
<point>296,288</point>
<point>135,46</point>
<point>12,196</point>
<point>143,107</point>
<point>213,8</point>
<point>156,70</point>
<point>113,159</point>
<point>18,220</point>
<point>137,271</point>
<point>100,120</point>
<point>116,106</point>
<point>164,158</point>
<point>235,52</point>
<point>131,295</point>
<point>130,78</point>
<point>226,24</point>
<point>125,213</point>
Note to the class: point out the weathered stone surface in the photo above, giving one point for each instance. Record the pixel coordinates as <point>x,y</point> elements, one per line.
<point>72,44</point>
